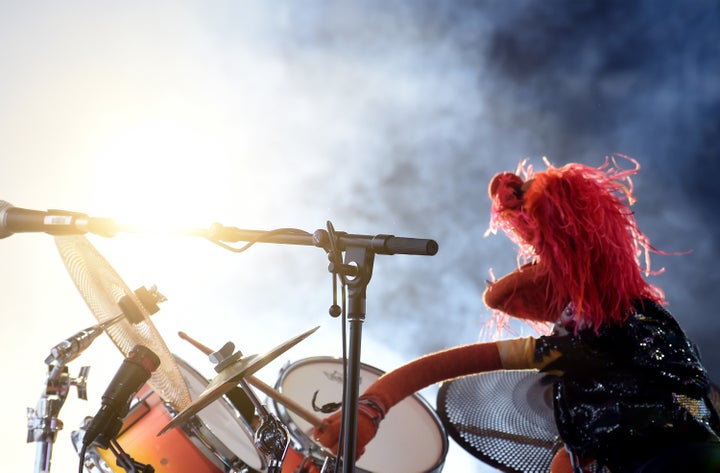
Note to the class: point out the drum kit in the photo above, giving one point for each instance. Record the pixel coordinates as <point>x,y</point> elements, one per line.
<point>169,418</point>
<point>161,415</point>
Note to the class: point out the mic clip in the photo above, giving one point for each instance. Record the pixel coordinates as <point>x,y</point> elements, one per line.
<point>128,463</point>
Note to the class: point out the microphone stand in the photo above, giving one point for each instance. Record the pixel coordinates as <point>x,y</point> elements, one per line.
<point>355,271</point>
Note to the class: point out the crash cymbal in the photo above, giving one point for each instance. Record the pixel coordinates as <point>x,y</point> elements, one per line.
<point>230,376</point>
<point>104,292</point>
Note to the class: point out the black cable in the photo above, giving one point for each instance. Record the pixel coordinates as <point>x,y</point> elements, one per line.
<point>336,265</point>
<point>341,440</point>
<point>263,237</point>
<point>83,452</point>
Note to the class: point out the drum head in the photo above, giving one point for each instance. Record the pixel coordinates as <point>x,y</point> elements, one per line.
<point>411,438</point>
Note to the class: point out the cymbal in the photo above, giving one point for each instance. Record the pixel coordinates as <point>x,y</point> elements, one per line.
<point>230,376</point>
<point>103,289</point>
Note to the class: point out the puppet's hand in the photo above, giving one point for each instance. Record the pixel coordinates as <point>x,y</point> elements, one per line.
<point>370,413</point>
<point>394,386</point>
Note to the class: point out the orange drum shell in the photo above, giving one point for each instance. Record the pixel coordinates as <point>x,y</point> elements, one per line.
<point>172,452</point>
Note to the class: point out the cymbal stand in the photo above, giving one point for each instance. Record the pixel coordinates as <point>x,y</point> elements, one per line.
<point>271,437</point>
<point>43,421</point>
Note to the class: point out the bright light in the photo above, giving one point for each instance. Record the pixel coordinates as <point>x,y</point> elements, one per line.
<point>162,175</point>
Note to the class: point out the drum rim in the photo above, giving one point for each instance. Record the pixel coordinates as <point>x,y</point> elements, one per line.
<point>283,413</point>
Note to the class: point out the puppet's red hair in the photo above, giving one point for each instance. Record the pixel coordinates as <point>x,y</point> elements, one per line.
<point>575,221</point>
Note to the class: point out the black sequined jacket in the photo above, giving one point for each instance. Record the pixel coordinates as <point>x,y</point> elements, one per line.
<point>629,391</point>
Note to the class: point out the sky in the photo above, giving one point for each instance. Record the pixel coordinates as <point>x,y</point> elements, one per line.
<point>379,117</point>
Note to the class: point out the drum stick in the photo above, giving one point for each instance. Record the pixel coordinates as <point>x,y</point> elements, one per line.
<point>265,388</point>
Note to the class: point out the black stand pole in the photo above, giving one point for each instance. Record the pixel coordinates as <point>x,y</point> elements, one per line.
<point>362,259</point>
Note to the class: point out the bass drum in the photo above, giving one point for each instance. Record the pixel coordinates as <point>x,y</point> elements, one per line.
<point>411,438</point>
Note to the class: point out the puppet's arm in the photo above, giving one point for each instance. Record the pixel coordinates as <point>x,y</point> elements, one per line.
<point>406,380</point>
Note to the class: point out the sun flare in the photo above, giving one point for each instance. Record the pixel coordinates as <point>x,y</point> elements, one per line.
<point>161,176</point>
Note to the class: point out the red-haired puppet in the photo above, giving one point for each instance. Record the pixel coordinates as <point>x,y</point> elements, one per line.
<point>631,393</point>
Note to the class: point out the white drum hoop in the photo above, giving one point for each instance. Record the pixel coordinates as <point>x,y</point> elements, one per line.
<point>412,430</point>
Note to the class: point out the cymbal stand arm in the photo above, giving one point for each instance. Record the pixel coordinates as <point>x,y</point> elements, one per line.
<point>271,437</point>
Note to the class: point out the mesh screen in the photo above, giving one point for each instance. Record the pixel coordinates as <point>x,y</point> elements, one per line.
<point>102,288</point>
<point>503,418</point>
